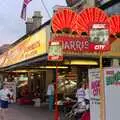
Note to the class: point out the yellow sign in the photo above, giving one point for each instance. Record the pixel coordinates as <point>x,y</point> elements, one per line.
<point>30,47</point>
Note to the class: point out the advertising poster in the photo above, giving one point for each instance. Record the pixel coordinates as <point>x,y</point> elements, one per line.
<point>112,93</point>
<point>12,87</point>
<point>94,80</point>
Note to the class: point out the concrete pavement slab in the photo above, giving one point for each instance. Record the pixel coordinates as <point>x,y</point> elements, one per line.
<point>26,112</point>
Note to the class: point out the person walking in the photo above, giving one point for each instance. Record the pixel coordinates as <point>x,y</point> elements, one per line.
<point>87,93</point>
<point>50,93</point>
<point>4,99</point>
<point>80,94</point>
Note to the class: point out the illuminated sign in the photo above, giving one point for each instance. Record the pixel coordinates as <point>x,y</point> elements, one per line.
<point>2,59</point>
<point>30,47</point>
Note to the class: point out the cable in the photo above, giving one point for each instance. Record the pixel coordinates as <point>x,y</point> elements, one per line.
<point>45,8</point>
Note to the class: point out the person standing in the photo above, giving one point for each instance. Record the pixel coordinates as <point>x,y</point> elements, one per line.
<point>87,93</point>
<point>87,97</point>
<point>4,99</point>
<point>80,94</point>
<point>50,93</point>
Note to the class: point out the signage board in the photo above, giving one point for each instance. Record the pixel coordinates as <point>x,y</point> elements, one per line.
<point>94,85</point>
<point>112,96</point>
<point>30,47</point>
<point>2,59</point>
<point>55,51</point>
<point>112,93</point>
<point>79,44</point>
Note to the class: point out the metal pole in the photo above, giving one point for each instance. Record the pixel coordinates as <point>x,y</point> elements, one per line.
<point>102,91</point>
<point>56,95</point>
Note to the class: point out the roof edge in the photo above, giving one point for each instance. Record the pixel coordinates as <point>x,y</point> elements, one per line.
<point>28,34</point>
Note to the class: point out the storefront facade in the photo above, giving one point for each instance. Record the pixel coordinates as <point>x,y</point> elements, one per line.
<point>27,59</point>
<point>21,62</point>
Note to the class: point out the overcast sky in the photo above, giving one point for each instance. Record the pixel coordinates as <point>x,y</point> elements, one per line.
<point>12,27</point>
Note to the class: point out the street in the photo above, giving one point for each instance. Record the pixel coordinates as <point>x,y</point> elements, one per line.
<point>19,112</point>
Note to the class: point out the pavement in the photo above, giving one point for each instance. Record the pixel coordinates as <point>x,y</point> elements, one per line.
<point>27,112</point>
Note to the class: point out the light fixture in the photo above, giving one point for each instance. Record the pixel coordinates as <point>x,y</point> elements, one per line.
<point>81,62</point>
<point>20,71</point>
<point>54,67</point>
<point>36,69</point>
<point>6,79</point>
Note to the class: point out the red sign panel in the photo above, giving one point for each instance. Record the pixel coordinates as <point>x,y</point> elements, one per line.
<point>80,44</point>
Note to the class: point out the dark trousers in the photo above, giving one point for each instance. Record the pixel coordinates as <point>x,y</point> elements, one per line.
<point>51,102</point>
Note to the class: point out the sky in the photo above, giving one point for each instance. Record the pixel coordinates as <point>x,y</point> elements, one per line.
<point>12,27</point>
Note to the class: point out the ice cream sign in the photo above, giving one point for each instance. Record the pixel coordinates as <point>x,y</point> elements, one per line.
<point>113,78</point>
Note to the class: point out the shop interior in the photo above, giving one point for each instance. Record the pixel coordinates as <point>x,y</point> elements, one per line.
<point>33,78</point>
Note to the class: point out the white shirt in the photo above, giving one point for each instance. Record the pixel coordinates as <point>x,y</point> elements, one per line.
<point>4,94</point>
<point>50,90</point>
<point>87,94</point>
<point>80,94</point>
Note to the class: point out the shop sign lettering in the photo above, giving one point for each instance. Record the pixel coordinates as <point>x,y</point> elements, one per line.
<point>79,44</point>
<point>99,47</point>
<point>76,45</point>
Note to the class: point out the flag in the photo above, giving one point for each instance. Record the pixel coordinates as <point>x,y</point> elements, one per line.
<point>24,9</point>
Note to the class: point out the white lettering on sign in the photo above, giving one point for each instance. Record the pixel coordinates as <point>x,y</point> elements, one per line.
<point>99,26</point>
<point>55,43</point>
<point>99,47</point>
<point>55,57</point>
<point>76,45</point>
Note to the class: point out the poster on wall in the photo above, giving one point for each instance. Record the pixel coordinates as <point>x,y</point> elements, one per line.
<point>12,87</point>
<point>94,85</point>
<point>112,93</point>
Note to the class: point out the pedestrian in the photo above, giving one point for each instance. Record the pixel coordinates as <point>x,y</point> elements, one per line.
<point>80,94</point>
<point>87,93</point>
<point>87,97</point>
<point>4,98</point>
<point>50,93</point>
